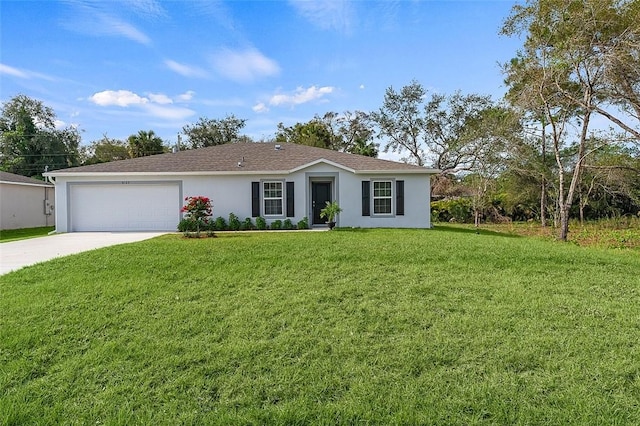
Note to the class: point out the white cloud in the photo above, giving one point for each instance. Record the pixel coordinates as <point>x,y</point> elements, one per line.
<point>169,113</point>
<point>160,98</point>
<point>59,124</point>
<point>156,105</point>
<point>113,26</point>
<point>301,96</point>
<point>185,70</point>
<point>244,66</point>
<point>260,108</point>
<point>362,87</point>
<point>99,19</point>
<point>15,72</point>
<point>6,69</point>
<point>326,14</point>
<point>122,98</point>
<point>186,96</point>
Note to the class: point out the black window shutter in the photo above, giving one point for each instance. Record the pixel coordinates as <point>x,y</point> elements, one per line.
<point>290,203</point>
<point>366,204</point>
<point>400,197</point>
<point>255,199</point>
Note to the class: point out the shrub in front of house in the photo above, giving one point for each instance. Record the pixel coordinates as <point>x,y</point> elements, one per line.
<point>190,225</point>
<point>261,223</point>
<point>276,224</point>
<point>220,224</point>
<point>187,225</point>
<point>247,225</point>
<point>234,222</point>
<point>304,223</point>
<point>198,211</point>
<point>287,224</point>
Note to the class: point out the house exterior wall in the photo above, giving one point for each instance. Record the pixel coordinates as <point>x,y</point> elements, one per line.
<point>232,194</point>
<point>417,213</point>
<point>348,194</point>
<point>64,185</point>
<point>23,205</point>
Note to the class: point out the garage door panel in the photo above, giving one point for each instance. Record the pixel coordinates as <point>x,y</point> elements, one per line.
<point>125,207</point>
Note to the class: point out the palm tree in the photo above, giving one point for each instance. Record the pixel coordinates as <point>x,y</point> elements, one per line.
<point>145,143</point>
<point>362,147</point>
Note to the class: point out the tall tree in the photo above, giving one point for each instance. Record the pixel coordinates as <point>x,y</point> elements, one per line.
<point>105,150</point>
<point>440,131</point>
<point>597,41</point>
<point>357,132</point>
<point>561,71</point>
<point>348,132</point>
<point>317,132</point>
<point>30,144</point>
<point>490,133</point>
<point>210,132</point>
<point>456,136</point>
<point>145,143</point>
<point>402,121</point>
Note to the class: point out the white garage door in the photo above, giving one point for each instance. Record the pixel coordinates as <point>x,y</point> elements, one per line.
<point>124,207</point>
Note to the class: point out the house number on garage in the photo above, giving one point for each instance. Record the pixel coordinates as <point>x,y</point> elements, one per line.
<point>125,182</point>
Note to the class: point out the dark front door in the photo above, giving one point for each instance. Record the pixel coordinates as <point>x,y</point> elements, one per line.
<point>320,194</point>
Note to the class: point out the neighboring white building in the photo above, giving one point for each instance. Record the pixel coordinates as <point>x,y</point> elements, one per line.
<point>275,181</point>
<point>25,202</point>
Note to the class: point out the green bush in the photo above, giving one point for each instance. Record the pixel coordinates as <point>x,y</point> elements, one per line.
<point>261,223</point>
<point>247,225</point>
<point>234,222</point>
<point>186,225</point>
<point>287,224</point>
<point>220,224</point>
<point>452,210</point>
<point>276,224</point>
<point>191,225</point>
<point>304,223</point>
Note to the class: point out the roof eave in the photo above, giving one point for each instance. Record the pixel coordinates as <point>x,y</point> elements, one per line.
<point>399,171</point>
<point>418,171</point>
<point>189,173</point>
<point>41,185</point>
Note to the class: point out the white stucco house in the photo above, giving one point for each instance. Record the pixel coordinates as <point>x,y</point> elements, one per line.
<point>25,202</point>
<point>275,181</point>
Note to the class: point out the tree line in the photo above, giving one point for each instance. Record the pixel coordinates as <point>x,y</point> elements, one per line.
<point>535,154</point>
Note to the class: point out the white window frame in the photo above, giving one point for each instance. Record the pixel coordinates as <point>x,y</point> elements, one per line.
<point>280,198</point>
<point>385,197</point>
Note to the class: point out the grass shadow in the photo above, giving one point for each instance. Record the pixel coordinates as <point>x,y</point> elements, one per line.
<point>7,235</point>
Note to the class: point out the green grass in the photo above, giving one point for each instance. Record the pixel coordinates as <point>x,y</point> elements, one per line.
<point>7,235</point>
<point>618,233</point>
<point>441,326</point>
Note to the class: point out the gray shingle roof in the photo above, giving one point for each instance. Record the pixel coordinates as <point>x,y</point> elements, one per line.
<point>13,178</point>
<point>254,157</point>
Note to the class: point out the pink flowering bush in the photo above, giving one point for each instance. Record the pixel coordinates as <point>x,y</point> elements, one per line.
<point>197,210</point>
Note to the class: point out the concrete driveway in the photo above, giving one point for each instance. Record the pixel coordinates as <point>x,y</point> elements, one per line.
<point>18,254</point>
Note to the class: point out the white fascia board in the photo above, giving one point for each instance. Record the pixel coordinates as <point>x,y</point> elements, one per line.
<point>398,172</point>
<point>42,185</point>
<point>241,172</point>
<point>196,173</point>
<point>323,161</point>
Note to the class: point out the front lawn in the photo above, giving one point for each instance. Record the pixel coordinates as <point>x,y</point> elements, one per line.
<point>7,235</point>
<point>440,326</point>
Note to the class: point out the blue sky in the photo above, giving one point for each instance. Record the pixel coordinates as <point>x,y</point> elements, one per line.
<point>116,67</point>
